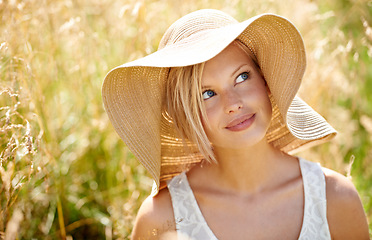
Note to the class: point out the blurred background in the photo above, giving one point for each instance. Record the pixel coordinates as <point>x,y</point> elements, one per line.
<point>65,174</point>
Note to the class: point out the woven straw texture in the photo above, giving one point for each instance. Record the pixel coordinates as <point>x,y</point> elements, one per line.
<point>133,93</point>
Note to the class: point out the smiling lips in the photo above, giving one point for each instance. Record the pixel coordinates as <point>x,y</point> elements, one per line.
<point>241,123</point>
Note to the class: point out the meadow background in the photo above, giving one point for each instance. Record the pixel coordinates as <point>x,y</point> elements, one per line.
<point>65,174</point>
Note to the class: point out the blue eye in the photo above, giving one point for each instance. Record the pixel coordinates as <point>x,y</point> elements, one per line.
<point>208,94</point>
<point>242,77</point>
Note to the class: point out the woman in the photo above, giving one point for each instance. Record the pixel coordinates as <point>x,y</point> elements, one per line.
<point>212,115</point>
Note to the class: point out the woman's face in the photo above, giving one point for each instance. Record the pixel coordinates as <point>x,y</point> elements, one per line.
<point>236,101</point>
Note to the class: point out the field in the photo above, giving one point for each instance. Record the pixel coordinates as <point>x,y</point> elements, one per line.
<point>65,173</point>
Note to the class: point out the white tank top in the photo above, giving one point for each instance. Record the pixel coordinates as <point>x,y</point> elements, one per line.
<point>191,224</point>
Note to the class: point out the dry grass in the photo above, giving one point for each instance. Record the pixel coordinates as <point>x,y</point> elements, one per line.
<point>64,171</point>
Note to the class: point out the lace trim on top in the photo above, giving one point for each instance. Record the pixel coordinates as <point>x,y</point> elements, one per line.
<point>190,223</point>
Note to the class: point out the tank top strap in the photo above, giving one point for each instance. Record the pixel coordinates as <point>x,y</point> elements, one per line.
<point>315,224</point>
<point>190,223</point>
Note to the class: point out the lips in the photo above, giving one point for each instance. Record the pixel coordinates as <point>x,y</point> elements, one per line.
<point>241,123</point>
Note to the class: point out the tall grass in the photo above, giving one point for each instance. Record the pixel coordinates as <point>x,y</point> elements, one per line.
<point>65,174</point>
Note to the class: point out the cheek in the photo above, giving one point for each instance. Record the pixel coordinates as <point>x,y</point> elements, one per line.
<point>208,120</point>
<point>266,104</point>
<point>211,123</point>
<point>259,98</point>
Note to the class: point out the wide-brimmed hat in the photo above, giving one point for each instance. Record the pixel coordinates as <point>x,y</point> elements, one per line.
<point>134,93</point>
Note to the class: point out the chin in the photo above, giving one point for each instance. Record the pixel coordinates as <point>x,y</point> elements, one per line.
<point>242,142</point>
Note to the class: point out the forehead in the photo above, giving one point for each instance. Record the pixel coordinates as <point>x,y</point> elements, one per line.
<point>227,61</point>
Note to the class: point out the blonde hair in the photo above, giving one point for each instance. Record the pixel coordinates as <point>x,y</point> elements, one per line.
<point>185,106</point>
<point>185,103</point>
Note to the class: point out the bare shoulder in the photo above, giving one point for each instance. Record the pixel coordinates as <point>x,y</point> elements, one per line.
<point>345,213</point>
<point>155,217</point>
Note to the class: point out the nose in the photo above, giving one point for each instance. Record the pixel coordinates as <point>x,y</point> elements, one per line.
<point>232,103</point>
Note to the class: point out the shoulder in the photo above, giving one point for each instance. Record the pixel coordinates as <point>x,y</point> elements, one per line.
<point>345,213</point>
<point>154,217</point>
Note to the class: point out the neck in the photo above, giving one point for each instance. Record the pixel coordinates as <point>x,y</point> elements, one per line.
<point>250,169</point>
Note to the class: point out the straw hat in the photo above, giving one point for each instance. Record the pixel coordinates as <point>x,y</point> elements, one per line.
<point>133,93</point>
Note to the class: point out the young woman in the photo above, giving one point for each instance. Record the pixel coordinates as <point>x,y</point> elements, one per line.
<point>213,115</point>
